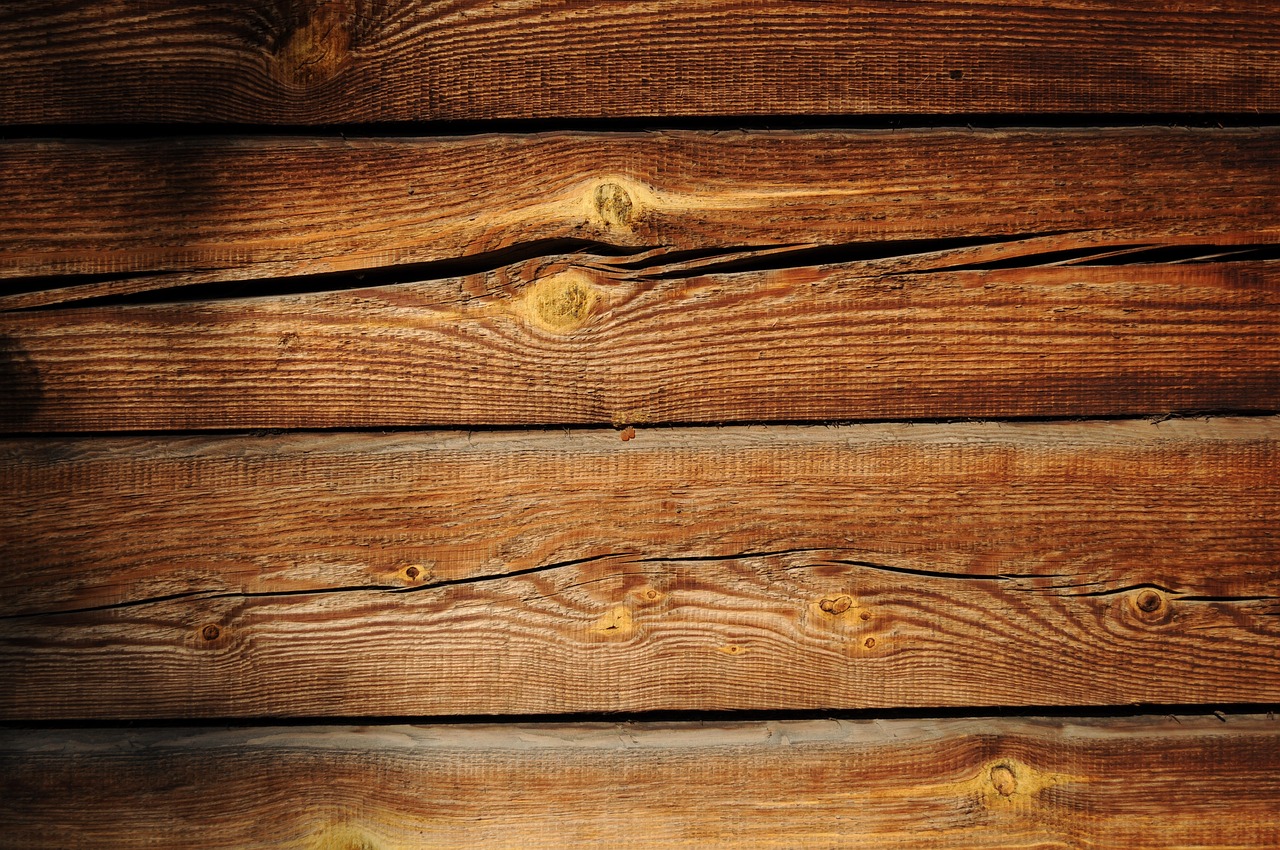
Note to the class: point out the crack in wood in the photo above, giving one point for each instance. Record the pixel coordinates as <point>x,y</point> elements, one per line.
<point>1177,595</point>
<point>843,253</point>
<point>264,594</point>
<point>1121,255</point>
<point>1228,599</point>
<point>206,595</point>
<point>1132,588</point>
<point>645,263</point>
<point>488,577</point>
<point>942,574</point>
<point>220,287</point>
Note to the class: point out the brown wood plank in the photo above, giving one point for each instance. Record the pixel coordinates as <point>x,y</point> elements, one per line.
<point>1143,782</point>
<point>341,61</point>
<point>556,344</point>
<point>241,208</point>
<point>868,566</point>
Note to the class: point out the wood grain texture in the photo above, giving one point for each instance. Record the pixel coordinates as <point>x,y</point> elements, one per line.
<point>1142,782</point>
<point>555,343</point>
<point>342,61</point>
<point>870,566</point>
<point>177,211</point>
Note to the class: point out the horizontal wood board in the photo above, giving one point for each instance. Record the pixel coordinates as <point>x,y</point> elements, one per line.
<point>353,61</point>
<point>1141,782</point>
<point>540,262</point>
<point>131,216</point>
<point>562,344</point>
<point>1072,564</point>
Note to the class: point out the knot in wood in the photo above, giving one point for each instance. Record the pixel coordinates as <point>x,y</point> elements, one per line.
<point>837,605</point>
<point>562,302</point>
<point>613,204</point>
<point>343,837</point>
<point>1004,780</point>
<point>1149,601</point>
<point>1150,606</point>
<point>314,42</point>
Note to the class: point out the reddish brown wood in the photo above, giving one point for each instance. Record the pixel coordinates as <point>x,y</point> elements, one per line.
<point>1075,564</point>
<point>342,61</point>
<point>636,278</point>
<point>250,208</point>
<point>1143,782</point>
<point>555,344</point>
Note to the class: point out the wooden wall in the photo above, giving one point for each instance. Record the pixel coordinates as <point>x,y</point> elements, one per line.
<point>666,424</point>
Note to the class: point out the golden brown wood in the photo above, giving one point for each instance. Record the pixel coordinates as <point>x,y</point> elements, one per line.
<point>1142,782</point>
<point>871,566</point>
<point>597,276</point>
<point>556,344</point>
<point>243,208</point>
<point>337,61</point>
<point>566,344</point>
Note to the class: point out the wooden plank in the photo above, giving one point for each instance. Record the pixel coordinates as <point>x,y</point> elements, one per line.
<point>236,208</point>
<point>343,61</point>
<point>565,344</point>
<point>1142,782</point>
<point>1024,564</point>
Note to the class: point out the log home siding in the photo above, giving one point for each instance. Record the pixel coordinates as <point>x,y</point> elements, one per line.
<point>785,424</point>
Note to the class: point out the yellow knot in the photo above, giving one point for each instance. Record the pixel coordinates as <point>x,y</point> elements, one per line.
<point>613,204</point>
<point>562,302</point>
<point>616,624</point>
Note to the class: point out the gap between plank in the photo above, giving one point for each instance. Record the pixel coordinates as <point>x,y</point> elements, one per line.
<point>570,427</point>
<point>1224,712</point>
<point>657,123</point>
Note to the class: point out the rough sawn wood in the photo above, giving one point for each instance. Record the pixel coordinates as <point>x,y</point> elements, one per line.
<point>354,61</point>
<point>339,575</point>
<point>163,213</point>
<point>997,783</point>
<point>563,344</point>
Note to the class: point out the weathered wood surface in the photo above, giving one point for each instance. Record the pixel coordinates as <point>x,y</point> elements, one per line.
<point>1142,782</point>
<point>176,211</point>
<point>341,61</point>
<point>557,344</point>
<point>869,566</point>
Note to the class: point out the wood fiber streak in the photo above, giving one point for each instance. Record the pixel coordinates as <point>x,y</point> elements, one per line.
<point>557,345</point>
<point>344,61</point>
<point>249,208</point>
<point>871,566</point>
<point>1143,782</point>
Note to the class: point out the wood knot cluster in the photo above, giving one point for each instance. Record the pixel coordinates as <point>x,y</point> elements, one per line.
<point>836,605</point>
